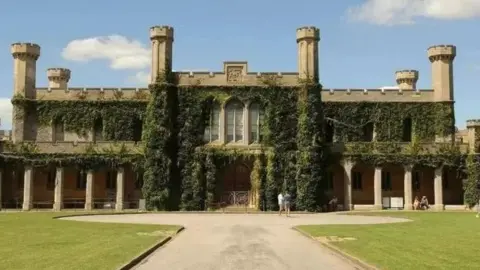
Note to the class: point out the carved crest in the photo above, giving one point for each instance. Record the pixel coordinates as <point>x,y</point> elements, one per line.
<point>234,74</point>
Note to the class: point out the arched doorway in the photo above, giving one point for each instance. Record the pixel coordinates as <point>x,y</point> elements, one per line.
<point>236,184</point>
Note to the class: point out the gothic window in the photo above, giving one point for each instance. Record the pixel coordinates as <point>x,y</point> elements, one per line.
<point>58,131</point>
<point>137,130</point>
<point>234,121</point>
<point>329,131</point>
<point>212,126</point>
<point>256,121</point>
<point>407,130</point>
<point>98,130</point>
<point>368,132</point>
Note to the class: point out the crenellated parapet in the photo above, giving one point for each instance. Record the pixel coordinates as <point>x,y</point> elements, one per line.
<point>25,50</point>
<point>442,52</point>
<point>58,77</point>
<point>407,79</point>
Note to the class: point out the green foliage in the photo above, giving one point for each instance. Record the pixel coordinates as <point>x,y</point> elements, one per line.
<point>160,137</point>
<point>311,165</point>
<point>428,119</point>
<point>119,117</point>
<point>471,194</point>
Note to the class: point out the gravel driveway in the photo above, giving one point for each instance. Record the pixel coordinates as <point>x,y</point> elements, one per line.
<point>241,241</point>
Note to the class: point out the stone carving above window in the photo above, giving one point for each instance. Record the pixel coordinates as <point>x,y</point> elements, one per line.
<point>234,74</point>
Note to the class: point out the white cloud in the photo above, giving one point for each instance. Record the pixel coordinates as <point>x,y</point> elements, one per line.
<point>391,12</point>
<point>121,52</point>
<point>5,113</point>
<point>141,77</point>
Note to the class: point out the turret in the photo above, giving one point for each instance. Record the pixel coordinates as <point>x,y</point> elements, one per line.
<point>162,49</point>
<point>307,44</point>
<point>58,78</point>
<point>473,135</point>
<point>25,57</point>
<point>441,57</point>
<point>407,79</point>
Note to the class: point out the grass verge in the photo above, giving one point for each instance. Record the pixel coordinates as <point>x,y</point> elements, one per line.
<point>431,241</point>
<point>37,241</point>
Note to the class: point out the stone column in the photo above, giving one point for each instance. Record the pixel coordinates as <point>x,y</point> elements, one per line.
<point>407,188</point>
<point>222,133</point>
<point>58,193</point>
<point>377,188</point>
<point>246,125</point>
<point>347,182</point>
<point>120,188</point>
<point>28,189</point>
<point>89,191</point>
<point>438,188</point>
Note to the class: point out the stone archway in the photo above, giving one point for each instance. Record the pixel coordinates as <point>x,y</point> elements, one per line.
<point>236,184</point>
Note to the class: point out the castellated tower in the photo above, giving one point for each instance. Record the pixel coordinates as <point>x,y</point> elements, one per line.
<point>25,57</point>
<point>441,57</point>
<point>407,79</point>
<point>162,49</point>
<point>307,44</point>
<point>58,78</point>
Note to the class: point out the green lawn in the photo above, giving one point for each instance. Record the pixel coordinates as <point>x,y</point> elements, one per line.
<point>36,241</point>
<point>432,241</point>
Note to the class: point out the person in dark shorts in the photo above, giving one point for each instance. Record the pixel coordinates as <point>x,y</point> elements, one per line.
<point>287,199</point>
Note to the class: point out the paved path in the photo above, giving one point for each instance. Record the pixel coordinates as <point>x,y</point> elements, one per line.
<point>241,241</point>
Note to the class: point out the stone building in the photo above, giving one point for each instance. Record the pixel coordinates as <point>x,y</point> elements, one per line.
<point>356,185</point>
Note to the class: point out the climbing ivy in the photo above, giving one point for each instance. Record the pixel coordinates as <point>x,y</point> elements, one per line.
<point>470,183</point>
<point>180,172</point>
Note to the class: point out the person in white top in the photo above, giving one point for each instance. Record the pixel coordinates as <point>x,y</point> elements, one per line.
<point>280,203</point>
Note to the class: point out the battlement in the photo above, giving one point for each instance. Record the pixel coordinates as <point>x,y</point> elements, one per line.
<point>442,52</point>
<point>25,50</point>
<point>161,31</point>
<point>308,32</point>
<point>407,74</point>
<point>58,74</point>
<point>473,123</point>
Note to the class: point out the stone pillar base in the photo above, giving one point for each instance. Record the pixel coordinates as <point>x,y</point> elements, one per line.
<point>119,207</point>
<point>377,207</point>
<point>88,207</point>
<point>408,207</point>
<point>439,207</point>
<point>57,206</point>
<point>348,207</point>
<point>27,207</point>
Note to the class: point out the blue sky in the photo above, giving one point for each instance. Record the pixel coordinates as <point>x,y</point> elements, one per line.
<point>106,43</point>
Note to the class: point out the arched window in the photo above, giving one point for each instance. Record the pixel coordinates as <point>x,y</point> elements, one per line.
<point>98,130</point>
<point>256,122</point>
<point>212,127</point>
<point>234,121</point>
<point>137,129</point>
<point>58,131</point>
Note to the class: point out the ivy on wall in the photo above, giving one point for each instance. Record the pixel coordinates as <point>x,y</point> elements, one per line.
<point>120,118</point>
<point>470,183</point>
<point>311,165</point>
<point>181,173</point>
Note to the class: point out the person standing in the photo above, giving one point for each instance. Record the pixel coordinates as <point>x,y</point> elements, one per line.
<point>280,203</point>
<point>287,199</point>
